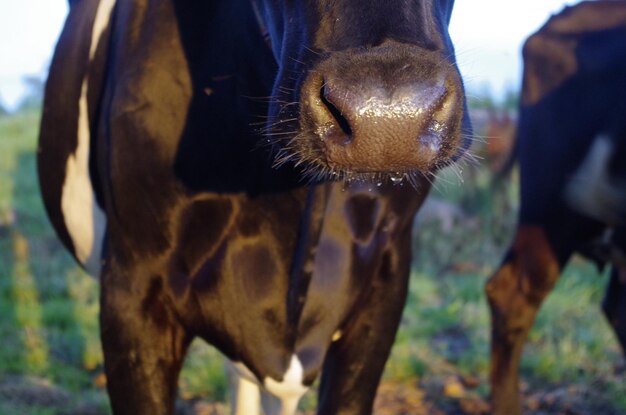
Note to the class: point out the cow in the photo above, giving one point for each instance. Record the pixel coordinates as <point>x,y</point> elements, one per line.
<point>247,172</point>
<point>571,146</point>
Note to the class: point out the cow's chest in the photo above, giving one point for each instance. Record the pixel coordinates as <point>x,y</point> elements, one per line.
<point>275,277</point>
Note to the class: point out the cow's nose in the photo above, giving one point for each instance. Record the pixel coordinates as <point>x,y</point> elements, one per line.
<point>370,128</point>
<point>378,122</point>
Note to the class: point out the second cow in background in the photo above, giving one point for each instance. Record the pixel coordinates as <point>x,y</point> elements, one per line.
<point>571,145</point>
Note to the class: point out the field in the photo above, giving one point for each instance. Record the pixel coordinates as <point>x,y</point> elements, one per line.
<point>51,362</point>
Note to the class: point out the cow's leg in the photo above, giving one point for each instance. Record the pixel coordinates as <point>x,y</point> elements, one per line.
<point>515,293</point>
<point>273,405</point>
<point>247,397</point>
<point>245,394</point>
<point>143,343</point>
<point>614,304</point>
<point>355,362</point>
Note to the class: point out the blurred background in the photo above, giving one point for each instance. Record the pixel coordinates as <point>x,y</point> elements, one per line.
<point>488,35</point>
<point>50,357</point>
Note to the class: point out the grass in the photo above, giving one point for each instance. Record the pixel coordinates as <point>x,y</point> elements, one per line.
<point>48,305</point>
<point>51,361</point>
<point>446,323</point>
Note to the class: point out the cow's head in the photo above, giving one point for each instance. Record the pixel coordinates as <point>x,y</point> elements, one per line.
<point>365,88</point>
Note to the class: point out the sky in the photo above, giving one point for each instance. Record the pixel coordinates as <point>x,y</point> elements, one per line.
<point>488,35</point>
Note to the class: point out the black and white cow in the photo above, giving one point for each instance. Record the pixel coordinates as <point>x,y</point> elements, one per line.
<point>571,145</point>
<point>287,249</point>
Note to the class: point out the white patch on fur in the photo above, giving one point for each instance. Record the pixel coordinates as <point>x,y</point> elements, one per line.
<point>84,219</point>
<point>592,191</point>
<point>288,391</point>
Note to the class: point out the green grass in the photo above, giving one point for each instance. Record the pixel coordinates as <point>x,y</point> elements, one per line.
<point>446,323</point>
<point>49,307</point>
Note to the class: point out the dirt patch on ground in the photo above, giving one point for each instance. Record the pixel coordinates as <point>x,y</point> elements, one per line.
<point>32,390</point>
<point>26,395</point>
<point>454,395</point>
<point>569,400</point>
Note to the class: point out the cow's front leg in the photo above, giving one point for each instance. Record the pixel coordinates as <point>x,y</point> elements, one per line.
<point>143,343</point>
<point>515,293</point>
<point>245,395</point>
<point>355,362</point>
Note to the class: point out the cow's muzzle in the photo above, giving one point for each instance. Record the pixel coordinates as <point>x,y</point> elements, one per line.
<point>390,109</point>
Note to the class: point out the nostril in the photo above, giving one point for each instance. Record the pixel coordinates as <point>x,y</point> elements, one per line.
<point>336,113</point>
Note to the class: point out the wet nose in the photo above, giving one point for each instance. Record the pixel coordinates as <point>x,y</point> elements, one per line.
<point>369,120</point>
